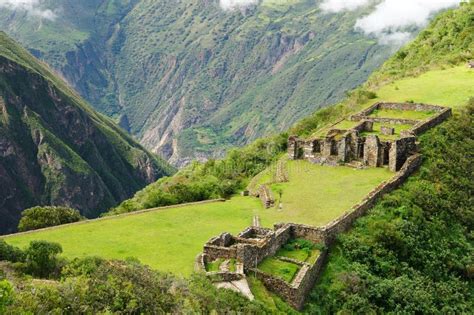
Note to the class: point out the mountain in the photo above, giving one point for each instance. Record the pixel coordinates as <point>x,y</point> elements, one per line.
<point>55,149</point>
<point>191,80</point>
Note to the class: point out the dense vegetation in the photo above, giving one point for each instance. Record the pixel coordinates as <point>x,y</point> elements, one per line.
<point>414,252</point>
<point>56,150</point>
<point>188,71</point>
<point>213,179</point>
<point>99,286</point>
<point>42,217</point>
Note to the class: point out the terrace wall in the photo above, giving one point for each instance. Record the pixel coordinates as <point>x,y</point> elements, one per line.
<point>294,293</point>
<point>428,124</point>
<point>410,106</point>
<point>343,223</point>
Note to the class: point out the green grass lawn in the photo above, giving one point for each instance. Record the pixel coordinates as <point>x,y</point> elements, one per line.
<point>450,87</point>
<point>402,114</point>
<point>316,194</point>
<point>299,249</point>
<point>285,270</point>
<point>378,126</point>
<point>270,299</point>
<point>346,124</point>
<point>170,239</point>
<point>302,255</point>
<point>214,265</point>
<point>167,240</point>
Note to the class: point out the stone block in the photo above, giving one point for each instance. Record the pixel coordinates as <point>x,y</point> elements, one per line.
<point>387,131</point>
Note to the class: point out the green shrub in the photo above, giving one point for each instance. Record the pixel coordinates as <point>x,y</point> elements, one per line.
<point>6,295</point>
<point>210,180</point>
<point>42,217</point>
<point>10,253</point>
<point>97,286</point>
<point>42,259</point>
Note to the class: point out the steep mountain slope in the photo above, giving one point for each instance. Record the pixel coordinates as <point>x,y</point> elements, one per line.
<point>191,80</point>
<point>54,149</point>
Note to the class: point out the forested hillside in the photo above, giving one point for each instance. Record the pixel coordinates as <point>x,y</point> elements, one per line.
<point>55,149</point>
<point>190,79</point>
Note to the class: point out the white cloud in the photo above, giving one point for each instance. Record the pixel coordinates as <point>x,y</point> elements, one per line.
<point>33,7</point>
<point>235,4</point>
<point>392,20</point>
<point>342,5</point>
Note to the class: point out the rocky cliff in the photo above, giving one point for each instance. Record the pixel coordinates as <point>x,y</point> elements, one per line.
<point>54,149</point>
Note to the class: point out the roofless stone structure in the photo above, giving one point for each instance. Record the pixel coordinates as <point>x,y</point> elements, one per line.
<point>361,144</point>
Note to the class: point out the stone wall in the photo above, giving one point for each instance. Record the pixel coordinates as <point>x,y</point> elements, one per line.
<point>373,151</point>
<point>281,174</point>
<point>428,124</point>
<point>294,293</point>
<point>343,223</point>
<point>392,121</point>
<point>255,244</point>
<point>340,146</point>
<point>214,252</point>
<point>266,196</point>
<point>400,150</point>
<point>410,106</point>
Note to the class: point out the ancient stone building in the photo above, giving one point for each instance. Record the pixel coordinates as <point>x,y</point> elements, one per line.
<point>362,145</point>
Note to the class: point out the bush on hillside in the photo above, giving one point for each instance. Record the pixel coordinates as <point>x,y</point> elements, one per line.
<point>42,217</point>
<point>10,253</point>
<point>6,295</point>
<point>42,259</point>
<point>99,286</point>
<point>210,180</point>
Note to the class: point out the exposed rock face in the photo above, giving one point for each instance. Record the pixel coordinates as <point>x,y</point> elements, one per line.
<point>55,150</point>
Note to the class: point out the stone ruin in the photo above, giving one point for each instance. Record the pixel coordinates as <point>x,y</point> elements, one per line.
<point>254,244</point>
<point>341,146</point>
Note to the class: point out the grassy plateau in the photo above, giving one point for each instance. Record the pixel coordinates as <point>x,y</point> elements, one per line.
<point>170,239</point>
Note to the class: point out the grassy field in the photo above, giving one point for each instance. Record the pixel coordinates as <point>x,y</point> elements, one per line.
<point>402,114</point>
<point>285,270</point>
<point>318,194</point>
<point>450,87</point>
<point>170,239</point>
<point>167,240</point>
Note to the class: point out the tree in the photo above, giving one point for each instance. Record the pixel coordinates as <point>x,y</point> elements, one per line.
<point>42,217</point>
<point>42,259</point>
